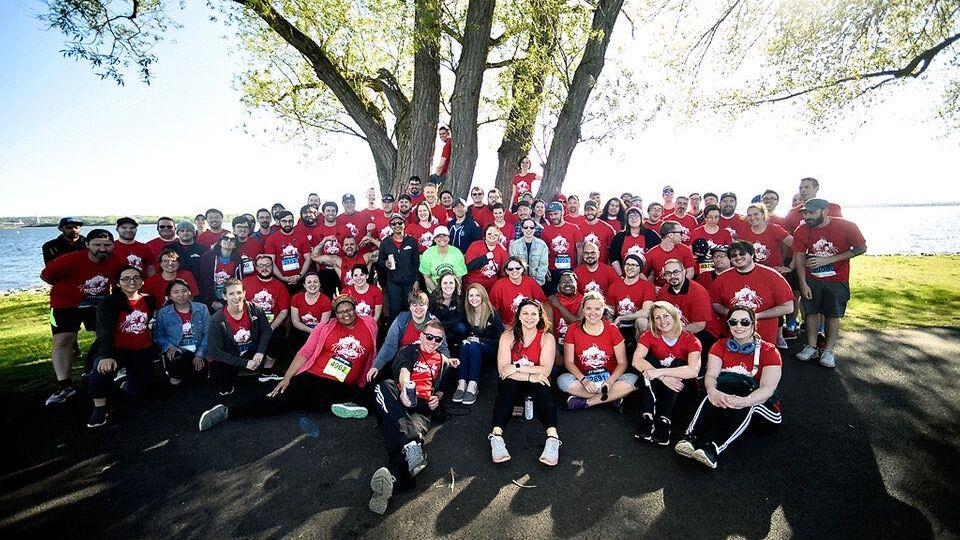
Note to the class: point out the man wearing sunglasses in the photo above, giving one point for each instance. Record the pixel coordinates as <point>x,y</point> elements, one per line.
<point>671,247</point>
<point>70,240</point>
<point>399,259</point>
<point>756,286</point>
<point>167,229</point>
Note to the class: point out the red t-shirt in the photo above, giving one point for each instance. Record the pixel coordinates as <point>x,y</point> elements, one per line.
<point>720,238</point>
<point>137,255</point>
<point>381,224</point>
<point>156,286</point>
<point>766,245</point>
<point>688,224</point>
<point>249,249</point>
<point>209,238</point>
<point>523,183</point>
<point>743,363</point>
<point>441,214</point>
<point>670,355</point>
<point>445,153</point>
<point>354,224</point>
<point>839,236</point>
<point>506,232</point>
<point>506,296</point>
<point>761,289</point>
<point>423,235</point>
<point>310,314</point>
<point>157,245</point>
<point>271,296</point>
<point>367,301</point>
<point>734,224</point>
<point>426,368</point>
<point>487,274</point>
<point>221,273</point>
<point>575,219</point>
<point>482,215</point>
<point>288,251</point>
<point>600,234</point>
<point>694,305</point>
<point>599,280</point>
<point>528,355</point>
<point>613,222</point>
<point>594,352</point>
<point>239,329</point>
<point>332,246</point>
<point>131,331</point>
<point>562,244</point>
<point>657,257</point>
<point>560,325</point>
<point>346,267</point>
<point>410,334</point>
<point>629,299</point>
<point>707,278</point>
<point>351,346</point>
<point>633,245</point>
<point>78,281</point>
<point>794,216</point>
<point>310,234</point>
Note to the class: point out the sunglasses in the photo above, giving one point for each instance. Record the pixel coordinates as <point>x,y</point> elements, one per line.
<point>164,226</point>
<point>528,228</point>
<point>396,224</point>
<point>514,268</point>
<point>743,322</point>
<point>433,338</point>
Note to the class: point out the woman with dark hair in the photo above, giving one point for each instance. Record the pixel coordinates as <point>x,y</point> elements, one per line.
<point>522,181</point>
<point>216,266</point>
<point>635,238</point>
<point>422,225</point>
<point>446,304</point>
<point>613,214</point>
<point>125,341</point>
<point>483,331</point>
<point>540,212</point>
<point>742,379</point>
<point>181,334</point>
<point>485,258</point>
<point>525,357</point>
<point>309,309</point>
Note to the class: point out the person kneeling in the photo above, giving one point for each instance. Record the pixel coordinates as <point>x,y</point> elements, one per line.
<point>743,373</point>
<point>524,360</point>
<point>326,373</point>
<point>405,405</point>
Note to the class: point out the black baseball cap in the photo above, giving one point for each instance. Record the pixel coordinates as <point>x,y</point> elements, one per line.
<point>126,220</point>
<point>387,198</point>
<point>70,221</point>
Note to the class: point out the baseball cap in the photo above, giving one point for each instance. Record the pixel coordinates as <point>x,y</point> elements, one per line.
<point>634,210</point>
<point>728,194</point>
<point>396,215</point>
<point>816,204</point>
<point>442,229</point>
<point>638,258</point>
<point>555,207</point>
<point>127,221</point>
<point>404,196</point>
<point>186,226</point>
<point>388,198</point>
<point>667,189</point>
<point>348,197</point>
<point>462,201</point>
<point>589,204</point>
<point>99,233</point>
<point>70,221</point>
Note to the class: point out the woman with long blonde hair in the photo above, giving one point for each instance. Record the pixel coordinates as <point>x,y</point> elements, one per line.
<point>483,330</point>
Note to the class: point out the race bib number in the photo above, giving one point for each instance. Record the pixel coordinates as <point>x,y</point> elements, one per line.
<point>562,262</point>
<point>823,271</point>
<point>247,267</point>
<point>289,263</point>
<point>598,376</point>
<point>338,368</point>
<point>706,266</point>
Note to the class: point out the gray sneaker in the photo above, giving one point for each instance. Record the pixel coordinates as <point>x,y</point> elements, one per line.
<point>807,353</point>
<point>416,460</point>
<point>382,485</point>
<point>469,398</point>
<point>458,395</point>
<point>551,452</point>
<point>827,359</point>
<point>498,449</point>
<point>218,414</point>
<point>61,395</point>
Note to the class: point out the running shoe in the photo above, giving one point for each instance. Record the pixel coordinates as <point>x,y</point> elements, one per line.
<point>645,430</point>
<point>217,415</point>
<point>458,395</point>
<point>551,452</point>
<point>661,433</point>
<point>498,449</point>
<point>61,395</point>
<point>382,486</point>
<point>782,342</point>
<point>268,376</point>
<point>348,410</point>
<point>807,353</point>
<point>416,460</point>
<point>707,454</point>
<point>686,446</point>
<point>120,376</point>
<point>827,359</point>
<point>575,403</point>
<point>226,391</point>
<point>469,398</point>
<point>98,417</point>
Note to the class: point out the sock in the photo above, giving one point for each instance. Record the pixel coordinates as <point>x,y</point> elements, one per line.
<point>65,383</point>
<point>472,387</point>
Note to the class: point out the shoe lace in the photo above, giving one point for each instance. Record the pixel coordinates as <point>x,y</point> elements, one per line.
<point>414,453</point>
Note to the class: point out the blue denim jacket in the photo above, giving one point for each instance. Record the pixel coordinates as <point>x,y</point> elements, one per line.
<point>168,329</point>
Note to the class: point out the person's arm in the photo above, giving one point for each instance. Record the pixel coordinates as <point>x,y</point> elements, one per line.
<point>688,371</point>
<point>216,338</point>
<point>390,345</point>
<point>694,327</point>
<point>428,280</point>
<point>403,364</point>
<point>201,330</point>
<point>785,308</point>
<point>541,262</point>
<point>295,320</point>
<point>160,336</point>
<point>54,271</point>
<point>640,362</point>
<point>768,385</point>
<point>620,352</point>
<point>278,319</point>
<point>263,327</point>
<point>570,364</point>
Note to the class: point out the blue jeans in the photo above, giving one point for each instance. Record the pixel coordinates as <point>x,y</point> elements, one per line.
<point>471,358</point>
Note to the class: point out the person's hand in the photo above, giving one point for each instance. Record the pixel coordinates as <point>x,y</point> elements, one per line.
<point>171,351</point>
<point>106,365</point>
<point>434,402</point>
<point>718,398</point>
<point>454,362</point>
<point>618,320</point>
<point>404,399</point>
<point>589,386</point>
<point>372,373</point>
<point>672,383</point>
<point>281,386</point>
<point>813,262</point>
<point>254,362</point>
<point>651,374</point>
<point>784,269</point>
<point>806,292</point>
<point>737,402</point>
<point>199,363</point>
<point>540,378</point>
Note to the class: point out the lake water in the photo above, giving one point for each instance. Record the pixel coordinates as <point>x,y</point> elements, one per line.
<point>889,231</point>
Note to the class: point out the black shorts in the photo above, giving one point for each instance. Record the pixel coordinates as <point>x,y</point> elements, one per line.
<point>829,298</point>
<point>64,320</point>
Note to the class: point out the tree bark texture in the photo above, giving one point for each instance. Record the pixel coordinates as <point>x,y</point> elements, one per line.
<point>566,135</point>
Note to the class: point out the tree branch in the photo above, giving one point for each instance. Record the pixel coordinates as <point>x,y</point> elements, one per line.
<point>500,64</point>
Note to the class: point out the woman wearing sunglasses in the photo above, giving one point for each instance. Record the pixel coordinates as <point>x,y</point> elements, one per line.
<point>743,373</point>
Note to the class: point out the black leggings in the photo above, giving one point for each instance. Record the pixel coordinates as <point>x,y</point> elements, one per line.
<point>723,426</point>
<point>507,392</point>
<point>658,399</point>
<point>400,426</point>
<point>305,391</point>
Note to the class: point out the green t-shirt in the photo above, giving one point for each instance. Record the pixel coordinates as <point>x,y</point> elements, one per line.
<point>433,264</point>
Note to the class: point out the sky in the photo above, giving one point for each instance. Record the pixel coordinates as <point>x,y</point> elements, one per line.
<point>71,143</point>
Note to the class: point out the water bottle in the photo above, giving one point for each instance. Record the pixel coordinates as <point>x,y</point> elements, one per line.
<point>411,389</point>
<point>528,408</point>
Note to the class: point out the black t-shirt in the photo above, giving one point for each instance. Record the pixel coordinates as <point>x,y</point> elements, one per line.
<point>60,246</point>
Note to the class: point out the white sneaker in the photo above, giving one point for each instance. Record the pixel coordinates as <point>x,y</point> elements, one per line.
<point>807,353</point>
<point>827,359</point>
<point>382,486</point>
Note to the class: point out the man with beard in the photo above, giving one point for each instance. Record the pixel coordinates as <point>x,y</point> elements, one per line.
<point>399,259</point>
<point>479,211</point>
<point>167,229</point>
<point>265,228</point>
<point>352,222</point>
<point>566,305</point>
<point>631,299</point>
<point>127,249</point>
<point>414,191</point>
<point>463,229</point>
<point>692,300</point>
<point>720,262</point>
<point>596,231</point>
<point>404,205</point>
<point>564,240</point>
<point>211,236</point>
<point>687,222</point>
<point>759,287</point>
<point>327,244</point>
<point>307,227</point>
<point>809,187</point>
<point>188,248</point>
<point>573,214</point>
<point>289,251</point>
<point>70,240</point>
<point>654,217</point>
<point>248,246</point>
<point>272,297</point>
<point>729,219</point>
<point>348,258</point>
<point>79,280</point>
<point>670,247</point>
<point>822,249</point>
<point>594,275</point>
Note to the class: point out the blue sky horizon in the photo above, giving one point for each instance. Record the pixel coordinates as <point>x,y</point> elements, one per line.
<point>75,144</point>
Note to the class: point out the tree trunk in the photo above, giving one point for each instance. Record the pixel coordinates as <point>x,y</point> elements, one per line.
<point>465,100</point>
<point>566,135</point>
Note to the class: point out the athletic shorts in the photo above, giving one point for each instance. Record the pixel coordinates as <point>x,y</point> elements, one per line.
<point>566,380</point>
<point>829,298</point>
<point>63,320</point>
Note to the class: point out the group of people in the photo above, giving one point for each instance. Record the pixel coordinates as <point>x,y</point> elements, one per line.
<point>376,309</point>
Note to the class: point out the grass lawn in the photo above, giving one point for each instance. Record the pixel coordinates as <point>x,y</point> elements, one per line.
<point>888,292</point>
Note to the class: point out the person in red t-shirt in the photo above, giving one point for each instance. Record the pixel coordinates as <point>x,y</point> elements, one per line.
<point>422,226</point>
<point>670,248</point>
<point>167,229</point>
<point>125,340</point>
<point>596,231</point>
<point>694,304</point>
<point>742,377</point>
<point>564,242</point>
<point>347,260</point>
<point>289,252</point>
<point>565,305</point>
<point>822,249</point>
<point>248,246</point>
<point>595,358</point>
<point>273,298</point>
<point>326,373</point>
<point>307,227</point>
<point>523,181</point>
<point>688,223</point>
<point>443,164</point>
<point>710,234</point>
<point>729,219</point>
<point>720,261</point>
<point>308,310</point>
<point>631,298</point>
<point>770,200</point>
<point>485,258</point>
<point>572,214</point>
<point>507,293</point>
<point>758,287</point>
<point>129,250</point>
<point>504,224</point>
<point>156,285</point>
<point>212,235</point>
<point>369,297</point>
<point>809,187</point>
<point>770,241</point>
<point>667,356</point>
<point>352,223</point>
<point>594,275</point>
<point>478,211</point>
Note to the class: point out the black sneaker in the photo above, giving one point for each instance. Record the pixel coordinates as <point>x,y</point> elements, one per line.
<point>661,433</point>
<point>686,446</point>
<point>98,417</point>
<point>416,460</point>
<point>226,391</point>
<point>707,454</point>
<point>645,429</point>
<point>61,395</point>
